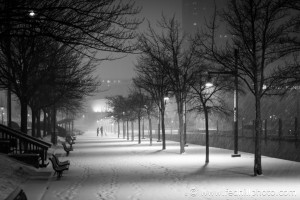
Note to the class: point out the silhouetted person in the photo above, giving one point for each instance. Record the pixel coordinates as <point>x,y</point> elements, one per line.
<point>97,131</point>
<point>101,130</point>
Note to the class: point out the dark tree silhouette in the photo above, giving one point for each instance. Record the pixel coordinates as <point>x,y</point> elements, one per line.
<point>257,29</point>
<point>85,27</point>
<point>150,77</point>
<point>167,49</point>
<point>99,25</point>
<point>138,100</point>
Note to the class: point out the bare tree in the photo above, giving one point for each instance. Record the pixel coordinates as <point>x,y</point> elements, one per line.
<point>150,77</point>
<point>167,49</point>
<point>138,101</point>
<point>207,94</point>
<point>257,29</point>
<point>119,110</point>
<point>112,102</point>
<point>86,27</point>
<point>99,25</point>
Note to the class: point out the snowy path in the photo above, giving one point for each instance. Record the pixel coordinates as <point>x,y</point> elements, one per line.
<point>115,169</point>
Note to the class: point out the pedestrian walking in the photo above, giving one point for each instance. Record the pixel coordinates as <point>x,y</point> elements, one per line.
<point>97,131</point>
<point>101,130</point>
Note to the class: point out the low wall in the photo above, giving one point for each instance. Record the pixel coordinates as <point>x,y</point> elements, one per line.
<point>288,149</point>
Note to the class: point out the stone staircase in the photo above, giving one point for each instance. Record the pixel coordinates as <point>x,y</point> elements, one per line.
<point>23,147</point>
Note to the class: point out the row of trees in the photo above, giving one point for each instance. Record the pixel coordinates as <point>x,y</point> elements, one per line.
<point>265,39</point>
<point>48,48</point>
<point>132,108</point>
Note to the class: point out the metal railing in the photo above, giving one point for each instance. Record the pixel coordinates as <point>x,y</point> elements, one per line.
<point>22,143</point>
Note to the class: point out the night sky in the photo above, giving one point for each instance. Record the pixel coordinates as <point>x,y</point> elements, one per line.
<point>123,68</point>
<point>151,10</point>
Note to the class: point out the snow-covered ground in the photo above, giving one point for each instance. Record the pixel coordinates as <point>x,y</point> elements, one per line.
<point>14,173</point>
<point>110,168</point>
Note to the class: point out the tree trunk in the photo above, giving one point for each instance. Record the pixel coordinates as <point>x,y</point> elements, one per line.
<point>49,128</point>
<point>24,114</point>
<point>45,123</point>
<point>54,133</point>
<point>118,129</point>
<point>38,124</point>
<point>143,129</point>
<point>139,124</point>
<point>8,106</point>
<point>72,124</point>
<point>206,136</point>
<point>124,130</point>
<point>33,118</point>
<point>132,131</point>
<point>163,132</point>
<point>150,129</point>
<point>184,123</point>
<point>258,133</point>
<point>127,130</point>
<point>181,132</point>
<point>158,129</point>
<point>8,54</point>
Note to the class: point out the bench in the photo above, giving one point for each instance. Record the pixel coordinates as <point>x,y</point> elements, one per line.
<point>70,143</point>
<point>17,194</point>
<point>61,163</point>
<point>67,149</point>
<point>70,139</point>
<point>57,169</point>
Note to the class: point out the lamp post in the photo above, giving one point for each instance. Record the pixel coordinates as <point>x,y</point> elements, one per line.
<point>166,99</point>
<point>235,103</point>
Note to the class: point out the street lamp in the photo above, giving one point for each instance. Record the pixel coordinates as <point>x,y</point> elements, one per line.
<point>235,99</point>
<point>166,99</point>
<point>31,13</point>
<point>209,84</point>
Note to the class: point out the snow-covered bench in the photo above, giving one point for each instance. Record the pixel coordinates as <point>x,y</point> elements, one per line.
<point>67,149</point>
<point>58,169</point>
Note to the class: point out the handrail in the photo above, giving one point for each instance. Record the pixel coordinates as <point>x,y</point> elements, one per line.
<point>24,136</point>
<point>25,143</point>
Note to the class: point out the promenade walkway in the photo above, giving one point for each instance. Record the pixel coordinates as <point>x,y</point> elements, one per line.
<point>110,168</point>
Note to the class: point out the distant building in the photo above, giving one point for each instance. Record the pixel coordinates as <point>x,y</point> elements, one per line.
<point>112,87</point>
<point>196,13</point>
